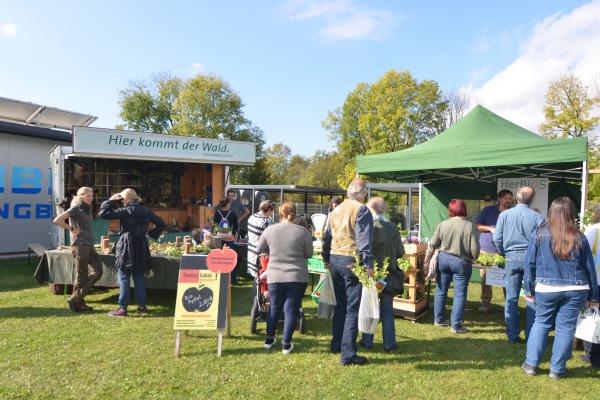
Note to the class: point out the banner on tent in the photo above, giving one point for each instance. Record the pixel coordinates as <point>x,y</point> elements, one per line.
<point>540,185</point>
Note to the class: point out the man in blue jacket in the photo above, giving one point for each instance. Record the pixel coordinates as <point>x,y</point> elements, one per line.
<point>511,237</point>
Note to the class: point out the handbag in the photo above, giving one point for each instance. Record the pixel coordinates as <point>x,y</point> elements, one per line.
<point>588,327</point>
<point>395,282</point>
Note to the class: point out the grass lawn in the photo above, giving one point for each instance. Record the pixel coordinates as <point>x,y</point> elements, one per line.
<point>48,352</point>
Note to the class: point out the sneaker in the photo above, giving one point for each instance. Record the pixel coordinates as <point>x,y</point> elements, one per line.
<point>364,346</point>
<point>585,358</point>
<point>356,360</point>
<point>119,312</point>
<point>269,343</point>
<point>441,324</point>
<point>484,309</point>
<point>529,370</point>
<point>72,305</point>
<point>518,340</point>
<point>555,375</point>
<point>287,348</point>
<point>390,349</point>
<point>460,329</point>
<point>143,310</point>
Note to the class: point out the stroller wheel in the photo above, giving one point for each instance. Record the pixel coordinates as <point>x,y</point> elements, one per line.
<point>254,315</point>
<point>301,322</point>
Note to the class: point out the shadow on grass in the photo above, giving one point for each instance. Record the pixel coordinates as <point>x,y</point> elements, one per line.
<point>35,312</point>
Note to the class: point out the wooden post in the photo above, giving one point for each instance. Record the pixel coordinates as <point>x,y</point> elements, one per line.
<point>220,343</point>
<point>187,248</point>
<point>177,343</point>
<point>178,241</point>
<point>229,304</point>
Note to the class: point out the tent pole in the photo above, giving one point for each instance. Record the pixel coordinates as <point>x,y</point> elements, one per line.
<point>408,216</point>
<point>584,192</point>
<point>420,207</point>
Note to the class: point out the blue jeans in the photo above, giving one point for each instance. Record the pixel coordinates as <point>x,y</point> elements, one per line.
<point>457,269</point>
<point>513,282</point>
<point>124,276</point>
<point>386,315</point>
<point>286,297</point>
<point>348,291</point>
<point>560,308</point>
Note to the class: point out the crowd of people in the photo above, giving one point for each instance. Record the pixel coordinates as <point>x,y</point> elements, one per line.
<point>549,258</point>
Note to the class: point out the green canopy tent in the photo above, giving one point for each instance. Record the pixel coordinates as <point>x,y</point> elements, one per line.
<point>475,152</point>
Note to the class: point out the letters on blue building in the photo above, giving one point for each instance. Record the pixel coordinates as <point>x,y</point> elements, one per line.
<point>23,182</point>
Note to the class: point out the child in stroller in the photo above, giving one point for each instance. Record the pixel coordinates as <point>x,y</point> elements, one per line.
<point>260,308</point>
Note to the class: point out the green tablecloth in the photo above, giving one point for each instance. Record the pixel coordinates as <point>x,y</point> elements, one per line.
<point>56,266</point>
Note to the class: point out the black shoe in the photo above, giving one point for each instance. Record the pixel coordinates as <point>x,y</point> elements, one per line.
<point>555,375</point>
<point>518,340</point>
<point>356,360</point>
<point>529,369</point>
<point>389,350</point>
<point>72,305</point>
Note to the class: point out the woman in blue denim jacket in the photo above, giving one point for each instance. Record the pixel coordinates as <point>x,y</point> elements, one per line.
<point>560,278</point>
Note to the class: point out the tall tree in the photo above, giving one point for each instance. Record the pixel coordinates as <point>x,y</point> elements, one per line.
<point>391,114</point>
<point>568,108</point>
<point>277,163</point>
<point>202,106</point>
<point>457,106</point>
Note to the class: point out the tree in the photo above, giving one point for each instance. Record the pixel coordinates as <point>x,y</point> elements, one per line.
<point>148,106</point>
<point>277,163</point>
<point>202,106</point>
<point>568,108</point>
<point>457,106</point>
<point>320,166</point>
<point>391,114</point>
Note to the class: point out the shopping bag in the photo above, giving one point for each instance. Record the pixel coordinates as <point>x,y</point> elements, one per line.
<point>325,311</point>
<point>327,295</point>
<point>588,327</point>
<point>431,263</point>
<point>368,312</point>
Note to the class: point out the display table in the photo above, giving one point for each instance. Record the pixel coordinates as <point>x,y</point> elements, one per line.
<point>56,266</point>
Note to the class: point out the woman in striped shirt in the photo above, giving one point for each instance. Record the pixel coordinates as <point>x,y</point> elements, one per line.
<point>257,223</point>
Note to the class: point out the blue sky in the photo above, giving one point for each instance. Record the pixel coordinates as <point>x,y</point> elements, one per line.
<point>293,61</point>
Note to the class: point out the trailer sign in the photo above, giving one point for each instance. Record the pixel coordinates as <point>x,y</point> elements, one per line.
<point>110,143</point>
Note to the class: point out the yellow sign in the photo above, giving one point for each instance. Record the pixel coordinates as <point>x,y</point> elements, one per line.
<point>197,304</point>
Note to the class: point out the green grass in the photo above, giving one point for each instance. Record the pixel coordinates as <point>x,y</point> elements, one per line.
<point>47,352</point>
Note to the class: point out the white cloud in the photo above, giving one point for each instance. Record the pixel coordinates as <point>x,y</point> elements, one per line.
<point>558,44</point>
<point>8,30</point>
<point>197,68</point>
<point>343,19</point>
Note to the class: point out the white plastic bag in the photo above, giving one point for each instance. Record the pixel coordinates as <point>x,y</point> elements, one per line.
<point>588,327</point>
<point>327,295</point>
<point>368,313</point>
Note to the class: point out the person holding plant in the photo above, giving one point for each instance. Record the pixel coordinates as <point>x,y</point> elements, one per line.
<point>289,247</point>
<point>82,241</point>
<point>486,225</point>
<point>132,251</point>
<point>387,246</point>
<point>349,234</point>
<point>457,239</point>
<point>560,278</point>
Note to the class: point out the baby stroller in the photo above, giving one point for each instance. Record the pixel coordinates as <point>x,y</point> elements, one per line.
<point>261,305</point>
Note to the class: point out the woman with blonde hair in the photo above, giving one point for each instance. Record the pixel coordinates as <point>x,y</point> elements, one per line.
<point>132,251</point>
<point>289,247</point>
<point>82,241</point>
<point>560,279</point>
